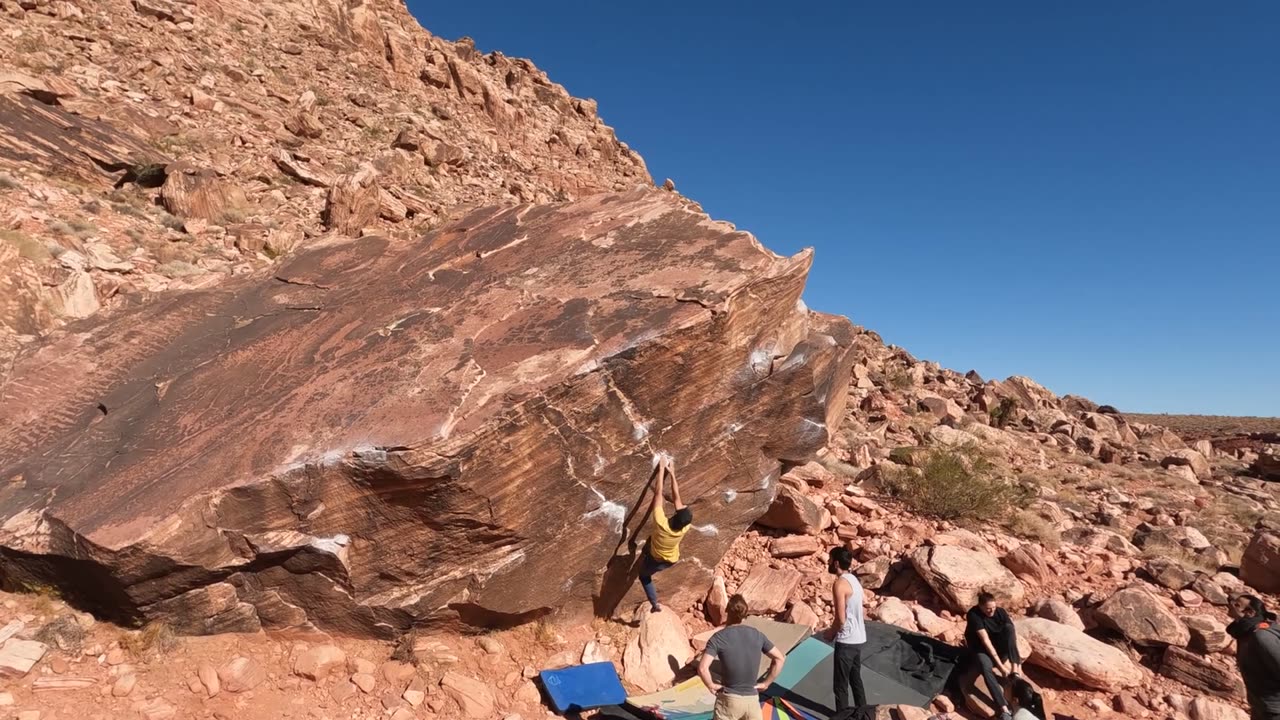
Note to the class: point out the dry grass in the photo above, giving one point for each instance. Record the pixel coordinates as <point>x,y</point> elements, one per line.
<point>839,467</point>
<point>1030,526</point>
<point>955,484</point>
<point>1189,559</point>
<point>1209,426</point>
<point>28,247</point>
<point>156,637</point>
<point>545,633</point>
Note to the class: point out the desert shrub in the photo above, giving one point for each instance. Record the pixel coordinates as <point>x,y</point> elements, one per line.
<point>64,633</point>
<point>177,269</point>
<point>1002,414</point>
<point>173,222</point>
<point>156,637</point>
<point>28,247</point>
<point>899,378</point>
<point>1030,526</point>
<point>905,454</point>
<point>954,484</point>
<point>838,467</point>
<point>8,183</point>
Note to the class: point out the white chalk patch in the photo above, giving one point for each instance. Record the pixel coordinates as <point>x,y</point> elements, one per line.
<point>801,307</point>
<point>730,495</point>
<point>371,455</point>
<point>707,529</point>
<point>760,359</point>
<point>734,427</point>
<point>614,513</point>
<point>640,431</point>
<point>663,455</point>
<point>598,466</point>
<point>332,545</point>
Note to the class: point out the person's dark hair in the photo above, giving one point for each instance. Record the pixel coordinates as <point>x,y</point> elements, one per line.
<point>1027,697</point>
<point>1256,605</point>
<point>737,609</point>
<point>841,556</point>
<point>985,597</point>
<point>681,519</point>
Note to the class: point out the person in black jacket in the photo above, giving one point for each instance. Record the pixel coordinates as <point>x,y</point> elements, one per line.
<point>1257,655</point>
<point>993,644</point>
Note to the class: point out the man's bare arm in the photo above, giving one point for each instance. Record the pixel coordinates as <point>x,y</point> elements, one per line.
<point>704,672</point>
<point>675,488</point>
<point>659,499</point>
<point>775,669</point>
<point>839,593</point>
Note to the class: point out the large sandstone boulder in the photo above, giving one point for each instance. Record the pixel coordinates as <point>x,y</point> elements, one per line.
<point>1267,464</point>
<point>1059,612</point>
<point>793,511</point>
<point>1260,567</point>
<point>1189,458</point>
<point>391,433</point>
<point>958,574</point>
<point>657,651</point>
<point>1071,654</point>
<point>1142,618</point>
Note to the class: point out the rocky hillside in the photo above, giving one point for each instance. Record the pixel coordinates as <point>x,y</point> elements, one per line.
<point>221,413</point>
<point>1079,518</point>
<point>152,145</point>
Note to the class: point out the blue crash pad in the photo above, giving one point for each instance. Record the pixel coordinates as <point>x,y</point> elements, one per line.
<point>583,687</point>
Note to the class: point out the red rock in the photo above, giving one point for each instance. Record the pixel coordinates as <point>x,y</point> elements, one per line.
<point>1260,567</point>
<point>959,574</point>
<point>195,193</point>
<point>794,546</point>
<point>767,591</point>
<point>1142,618</point>
<point>717,602</point>
<point>474,697</point>
<point>459,376</point>
<point>241,674</point>
<point>17,657</point>
<point>209,680</point>
<point>1027,560</point>
<point>793,511</point>
<point>354,202</point>
<point>657,651</point>
<point>316,663</point>
<point>801,614</point>
<point>1069,653</point>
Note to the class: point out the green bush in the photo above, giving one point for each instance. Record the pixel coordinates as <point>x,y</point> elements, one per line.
<point>954,484</point>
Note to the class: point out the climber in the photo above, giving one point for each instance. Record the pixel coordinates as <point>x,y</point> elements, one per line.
<point>663,547</point>
<point>993,643</point>
<point>1257,655</point>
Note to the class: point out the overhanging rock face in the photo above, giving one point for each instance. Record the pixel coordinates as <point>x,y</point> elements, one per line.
<point>391,434</point>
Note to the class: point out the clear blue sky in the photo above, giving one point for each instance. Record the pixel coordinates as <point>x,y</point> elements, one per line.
<point>1087,193</point>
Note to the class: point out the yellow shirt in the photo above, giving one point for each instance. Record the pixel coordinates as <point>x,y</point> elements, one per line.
<point>664,543</point>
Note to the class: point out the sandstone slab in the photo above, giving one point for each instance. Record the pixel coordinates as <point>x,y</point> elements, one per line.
<point>474,697</point>
<point>657,651</point>
<point>351,443</point>
<point>1195,672</point>
<point>768,590</point>
<point>1071,654</point>
<point>17,657</point>
<point>958,574</point>
<point>1260,567</point>
<point>1142,618</point>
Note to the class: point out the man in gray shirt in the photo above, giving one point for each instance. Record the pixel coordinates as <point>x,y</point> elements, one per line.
<point>738,647</point>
